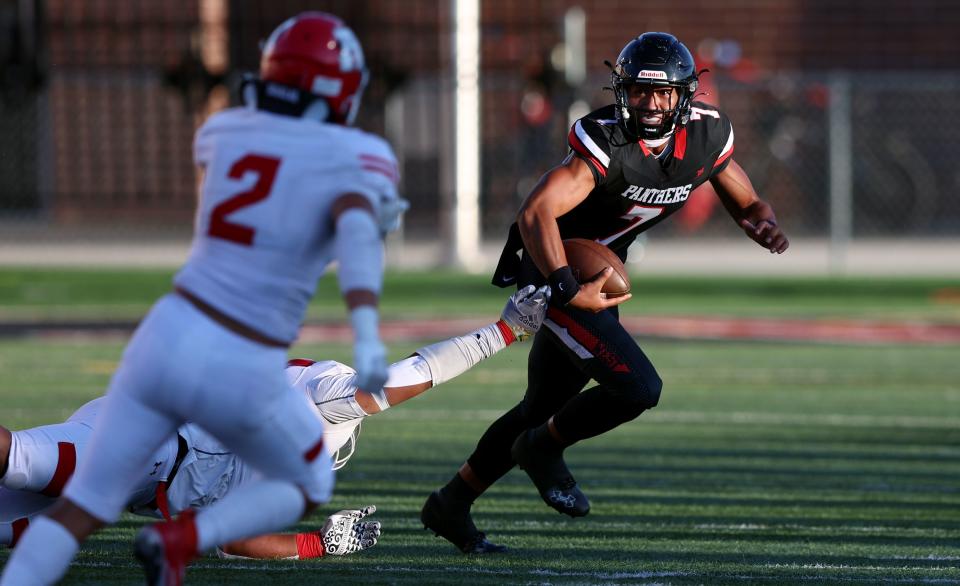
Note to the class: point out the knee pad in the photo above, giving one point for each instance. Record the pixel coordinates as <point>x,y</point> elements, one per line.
<point>655,386</point>
<point>641,395</point>
<point>530,416</point>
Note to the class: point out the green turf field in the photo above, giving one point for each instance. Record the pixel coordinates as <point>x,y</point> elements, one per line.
<point>27,294</point>
<point>764,462</point>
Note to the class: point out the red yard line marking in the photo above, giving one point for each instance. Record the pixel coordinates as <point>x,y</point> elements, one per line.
<point>692,328</point>
<point>836,331</point>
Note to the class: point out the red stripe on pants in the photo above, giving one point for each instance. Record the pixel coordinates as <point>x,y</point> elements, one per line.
<point>66,464</point>
<point>313,452</point>
<point>163,505</point>
<point>19,526</point>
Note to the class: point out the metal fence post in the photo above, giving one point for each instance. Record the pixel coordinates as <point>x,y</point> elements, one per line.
<point>466,206</point>
<point>841,172</point>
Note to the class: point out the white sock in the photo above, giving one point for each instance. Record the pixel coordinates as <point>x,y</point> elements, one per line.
<point>42,556</point>
<point>264,506</point>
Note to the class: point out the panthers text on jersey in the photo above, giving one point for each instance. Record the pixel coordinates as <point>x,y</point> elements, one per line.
<point>635,189</point>
<point>263,230</point>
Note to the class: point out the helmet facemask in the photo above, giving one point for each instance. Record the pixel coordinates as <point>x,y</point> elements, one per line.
<point>630,117</point>
<point>345,452</point>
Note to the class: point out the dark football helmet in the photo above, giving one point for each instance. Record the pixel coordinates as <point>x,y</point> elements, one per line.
<point>656,59</point>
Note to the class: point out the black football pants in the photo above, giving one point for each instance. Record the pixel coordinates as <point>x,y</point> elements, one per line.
<point>572,347</point>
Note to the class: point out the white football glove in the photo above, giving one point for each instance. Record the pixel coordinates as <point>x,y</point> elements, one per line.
<point>525,310</point>
<point>391,210</point>
<point>345,533</point>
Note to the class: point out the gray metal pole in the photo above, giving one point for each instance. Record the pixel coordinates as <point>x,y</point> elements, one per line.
<point>841,172</point>
<point>466,61</point>
<point>575,46</point>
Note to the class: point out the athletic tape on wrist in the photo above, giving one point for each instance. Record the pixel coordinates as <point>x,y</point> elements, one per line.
<point>563,285</point>
<point>508,336</point>
<point>310,545</point>
<point>380,398</point>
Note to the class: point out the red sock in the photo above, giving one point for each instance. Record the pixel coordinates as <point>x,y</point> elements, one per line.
<point>19,526</point>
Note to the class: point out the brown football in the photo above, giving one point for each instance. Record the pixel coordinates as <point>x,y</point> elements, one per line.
<point>588,258</point>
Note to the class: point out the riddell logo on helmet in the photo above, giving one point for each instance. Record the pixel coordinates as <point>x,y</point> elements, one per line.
<point>653,74</point>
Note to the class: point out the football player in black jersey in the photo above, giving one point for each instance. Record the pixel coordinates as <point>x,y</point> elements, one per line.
<point>630,165</point>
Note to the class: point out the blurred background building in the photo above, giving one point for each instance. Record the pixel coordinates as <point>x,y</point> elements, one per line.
<point>845,112</point>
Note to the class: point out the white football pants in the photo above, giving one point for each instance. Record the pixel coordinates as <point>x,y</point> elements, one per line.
<point>182,366</point>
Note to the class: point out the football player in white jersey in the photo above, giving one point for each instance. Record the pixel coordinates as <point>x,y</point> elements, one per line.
<point>194,470</point>
<point>289,186</point>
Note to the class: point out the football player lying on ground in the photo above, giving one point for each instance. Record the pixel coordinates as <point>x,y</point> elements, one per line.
<point>193,470</point>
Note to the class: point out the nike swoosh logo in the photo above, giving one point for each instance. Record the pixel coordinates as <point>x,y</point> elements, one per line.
<point>507,278</point>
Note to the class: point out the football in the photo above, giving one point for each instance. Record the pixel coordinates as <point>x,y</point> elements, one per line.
<point>588,258</point>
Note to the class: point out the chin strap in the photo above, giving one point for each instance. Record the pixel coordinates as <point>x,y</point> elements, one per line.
<point>655,142</point>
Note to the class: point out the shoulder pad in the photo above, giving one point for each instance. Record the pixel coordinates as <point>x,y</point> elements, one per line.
<point>719,131</point>
<point>373,154</point>
<point>589,140</point>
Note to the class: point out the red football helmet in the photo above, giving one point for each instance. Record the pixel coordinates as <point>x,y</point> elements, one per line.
<point>317,53</point>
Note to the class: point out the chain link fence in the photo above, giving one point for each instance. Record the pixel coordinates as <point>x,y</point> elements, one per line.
<point>99,100</point>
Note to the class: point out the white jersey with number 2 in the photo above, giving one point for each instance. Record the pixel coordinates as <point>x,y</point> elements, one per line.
<point>264,232</point>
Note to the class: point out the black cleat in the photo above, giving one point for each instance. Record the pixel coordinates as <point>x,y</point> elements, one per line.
<point>551,476</point>
<point>455,526</point>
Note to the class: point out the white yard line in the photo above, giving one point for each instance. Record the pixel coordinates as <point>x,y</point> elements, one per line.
<point>737,417</point>
<point>812,528</point>
<point>284,567</point>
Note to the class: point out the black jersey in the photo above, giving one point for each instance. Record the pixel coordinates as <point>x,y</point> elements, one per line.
<point>635,189</point>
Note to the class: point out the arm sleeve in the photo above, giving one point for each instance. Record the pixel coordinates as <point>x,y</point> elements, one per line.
<point>587,141</point>
<point>452,357</point>
<point>359,252</point>
<point>202,147</point>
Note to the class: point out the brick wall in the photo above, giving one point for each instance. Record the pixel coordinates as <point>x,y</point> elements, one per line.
<point>121,141</point>
<point>121,135</point>
<point>792,34</point>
